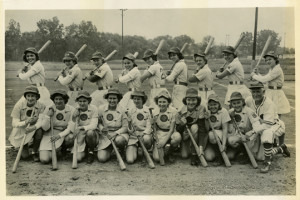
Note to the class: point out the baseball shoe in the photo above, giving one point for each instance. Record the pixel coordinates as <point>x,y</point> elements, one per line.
<point>90,158</point>
<point>265,168</point>
<point>285,150</point>
<point>35,157</point>
<point>218,161</point>
<point>194,160</point>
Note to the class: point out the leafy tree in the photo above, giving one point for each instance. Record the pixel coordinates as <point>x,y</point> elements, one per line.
<point>262,37</point>
<point>12,40</point>
<point>246,46</point>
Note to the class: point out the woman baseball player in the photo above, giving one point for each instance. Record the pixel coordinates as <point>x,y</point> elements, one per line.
<point>139,125</point>
<point>248,123</point>
<point>34,73</point>
<point>178,74</point>
<point>71,76</point>
<point>191,116</point>
<point>25,115</point>
<point>113,125</point>
<point>85,117</point>
<point>203,77</point>
<point>56,118</point>
<point>275,79</point>
<point>272,126</point>
<point>219,119</point>
<point>102,76</point>
<point>131,79</point>
<point>235,74</point>
<point>164,119</point>
<point>155,74</point>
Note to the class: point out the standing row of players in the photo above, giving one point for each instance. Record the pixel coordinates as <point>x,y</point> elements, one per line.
<point>104,78</point>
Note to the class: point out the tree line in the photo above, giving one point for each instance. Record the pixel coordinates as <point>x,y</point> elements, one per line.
<point>72,37</point>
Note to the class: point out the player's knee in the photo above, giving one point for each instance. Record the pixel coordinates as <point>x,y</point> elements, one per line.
<point>209,155</point>
<point>211,138</point>
<point>232,142</point>
<point>175,138</point>
<point>194,129</point>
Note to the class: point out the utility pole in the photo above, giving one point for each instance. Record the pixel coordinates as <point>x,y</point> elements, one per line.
<point>254,39</point>
<point>122,13</point>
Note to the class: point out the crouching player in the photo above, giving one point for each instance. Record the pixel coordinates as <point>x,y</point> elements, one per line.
<point>272,126</point>
<point>56,119</point>
<point>164,119</point>
<point>191,116</point>
<point>219,119</point>
<point>24,122</point>
<point>139,126</point>
<point>113,125</point>
<point>85,121</point>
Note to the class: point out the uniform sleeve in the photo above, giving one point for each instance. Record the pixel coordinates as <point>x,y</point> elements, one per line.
<point>43,122</point>
<point>201,74</point>
<point>94,121</point>
<point>131,75</point>
<point>175,72</point>
<point>69,78</point>
<point>101,73</point>
<point>252,116</point>
<point>124,127</point>
<point>16,110</point>
<point>231,68</point>
<point>27,75</point>
<point>270,76</point>
<point>151,70</point>
<point>16,123</point>
<point>225,116</point>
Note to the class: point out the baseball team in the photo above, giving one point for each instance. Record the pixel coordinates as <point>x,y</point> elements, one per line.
<point>189,121</point>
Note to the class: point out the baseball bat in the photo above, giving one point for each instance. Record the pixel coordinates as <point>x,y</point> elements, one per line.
<point>183,47</point>
<point>224,155</point>
<point>201,157</point>
<point>159,150</point>
<point>76,55</point>
<point>136,54</point>
<point>105,59</point>
<point>235,47</point>
<point>264,50</point>
<point>54,157</point>
<point>250,155</point>
<point>120,160</point>
<point>209,45</point>
<point>40,51</point>
<point>146,154</point>
<point>74,161</point>
<point>14,169</point>
<point>161,43</point>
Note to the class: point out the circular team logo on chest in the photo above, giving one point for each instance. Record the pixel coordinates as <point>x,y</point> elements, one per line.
<point>28,113</point>
<point>59,116</point>
<point>83,117</point>
<point>140,117</point>
<point>213,118</point>
<point>163,118</point>
<point>237,118</point>
<point>109,117</point>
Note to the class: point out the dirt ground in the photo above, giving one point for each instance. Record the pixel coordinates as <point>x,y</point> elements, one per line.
<point>179,178</point>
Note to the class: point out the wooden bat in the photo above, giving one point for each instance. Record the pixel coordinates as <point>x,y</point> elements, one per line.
<point>235,47</point>
<point>201,157</point>
<point>40,51</point>
<point>224,155</point>
<point>14,169</point>
<point>74,161</point>
<point>54,157</point>
<point>160,150</point>
<point>250,155</point>
<point>120,160</point>
<point>76,55</point>
<point>105,59</point>
<point>146,154</point>
<point>161,43</point>
<point>183,47</point>
<point>209,45</point>
<point>136,54</point>
<point>264,50</point>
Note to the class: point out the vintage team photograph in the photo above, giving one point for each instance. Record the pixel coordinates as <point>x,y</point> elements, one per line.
<point>182,101</point>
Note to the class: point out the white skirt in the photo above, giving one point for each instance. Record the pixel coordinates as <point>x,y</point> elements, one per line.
<point>46,144</point>
<point>177,95</point>
<point>126,102</point>
<point>97,98</point>
<point>280,100</point>
<point>17,135</point>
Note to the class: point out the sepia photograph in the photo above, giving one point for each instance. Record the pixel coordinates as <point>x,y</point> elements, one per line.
<point>140,99</point>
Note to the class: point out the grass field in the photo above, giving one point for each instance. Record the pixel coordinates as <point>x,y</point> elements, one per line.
<point>172,179</point>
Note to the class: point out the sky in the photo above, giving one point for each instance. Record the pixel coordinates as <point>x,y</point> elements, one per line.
<point>194,22</point>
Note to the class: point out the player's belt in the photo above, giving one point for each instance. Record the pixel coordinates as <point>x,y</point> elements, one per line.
<point>205,89</point>
<point>75,89</point>
<point>275,87</point>
<point>180,83</point>
<point>162,129</point>
<point>236,82</point>
<point>131,89</point>
<point>104,88</point>
<point>39,84</point>
<point>155,86</point>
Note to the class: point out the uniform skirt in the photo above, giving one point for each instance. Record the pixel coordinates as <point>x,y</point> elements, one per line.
<point>126,102</point>
<point>104,142</point>
<point>98,97</point>
<point>46,144</point>
<point>72,97</point>
<point>17,135</point>
<point>177,95</point>
<point>236,88</point>
<point>280,100</point>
